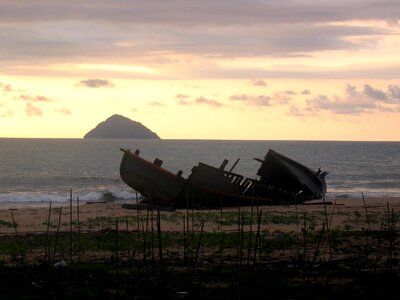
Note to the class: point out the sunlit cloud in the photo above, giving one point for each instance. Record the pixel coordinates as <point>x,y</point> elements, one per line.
<point>114,67</point>
<point>182,99</point>
<point>192,13</point>
<point>32,111</point>
<point>286,57</point>
<point>264,28</point>
<point>198,101</point>
<point>279,98</point>
<point>261,100</point>
<point>356,102</point>
<point>185,102</point>
<point>6,114</point>
<point>181,96</point>
<point>374,93</point>
<point>95,83</point>
<point>155,103</point>
<point>33,98</point>
<point>64,111</point>
<point>209,102</point>
<point>6,87</point>
<point>283,97</point>
<point>258,82</point>
<point>394,92</point>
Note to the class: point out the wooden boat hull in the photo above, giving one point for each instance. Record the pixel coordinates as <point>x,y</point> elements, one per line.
<point>280,171</point>
<point>282,180</point>
<point>150,179</point>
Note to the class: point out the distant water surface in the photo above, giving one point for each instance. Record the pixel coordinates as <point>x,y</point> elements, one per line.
<point>42,170</point>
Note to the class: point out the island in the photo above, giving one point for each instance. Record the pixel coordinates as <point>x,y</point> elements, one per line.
<point>120,127</point>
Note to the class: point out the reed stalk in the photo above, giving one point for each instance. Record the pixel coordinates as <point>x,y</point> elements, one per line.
<point>297,227</point>
<point>305,237</point>
<point>78,227</point>
<point>316,252</point>
<point>184,240</point>
<point>70,224</point>
<point>16,235</point>
<point>152,234</point>
<point>57,234</point>
<point>116,248</point>
<point>366,211</point>
<point>238,248</point>
<point>138,225</point>
<point>250,231</point>
<point>47,244</point>
<point>332,212</point>
<point>257,242</point>
<point>378,246</point>
<point>392,232</point>
<point>220,224</point>
<point>145,234</point>
<point>241,244</point>
<point>160,250</point>
<point>197,251</point>
<point>187,222</point>
<point>327,231</point>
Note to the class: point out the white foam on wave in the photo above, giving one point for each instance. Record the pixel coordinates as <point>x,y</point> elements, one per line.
<point>358,193</point>
<point>22,197</point>
<point>32,198</point>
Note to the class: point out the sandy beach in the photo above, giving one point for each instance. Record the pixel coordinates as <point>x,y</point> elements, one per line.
<point>294,254</point>
<point>341,213</point>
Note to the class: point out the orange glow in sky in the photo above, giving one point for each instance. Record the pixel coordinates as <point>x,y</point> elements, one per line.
<point>279,70</point>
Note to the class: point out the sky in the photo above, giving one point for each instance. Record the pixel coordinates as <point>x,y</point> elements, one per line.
<point>186,69</point>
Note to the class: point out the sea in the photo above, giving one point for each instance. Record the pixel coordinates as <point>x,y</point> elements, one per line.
<point>37,171</point>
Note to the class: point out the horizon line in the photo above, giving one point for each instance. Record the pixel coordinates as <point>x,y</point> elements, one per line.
<point>202,139</point>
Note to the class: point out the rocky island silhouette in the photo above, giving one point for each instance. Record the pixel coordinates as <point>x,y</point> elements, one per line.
<point>120,127</point>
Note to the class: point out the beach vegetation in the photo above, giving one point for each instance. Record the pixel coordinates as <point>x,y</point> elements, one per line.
<point>6,224</point>
<point>239,255</point>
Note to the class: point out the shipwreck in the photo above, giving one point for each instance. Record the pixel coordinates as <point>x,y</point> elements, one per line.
<point>280,180</point>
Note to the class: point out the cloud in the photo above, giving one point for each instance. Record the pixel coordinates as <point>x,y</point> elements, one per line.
<point>198,101</point>
<point>258,82</point>
<point>340,105</point>
<point>282,97</point>
<point>356,102</point>
<point>6,87</point>
<point>95,83</point>
<point>209,102</point>
<point>182,99</point>
<point>279,98</point>
<point>296,111</point>
<point>394,91</point>
<point>6,114</point>
<point>32,110</point>
<point>181,96</point>
<point>305,92</point>
<point>374,93</point>
<point>135,29</point>
<point>261,100</point>
<point>64,111</point>
<point>155,103</point>
<point>185,102</point>
<point>194,13</point>
<point>37,98</point>
<point>184,39</point>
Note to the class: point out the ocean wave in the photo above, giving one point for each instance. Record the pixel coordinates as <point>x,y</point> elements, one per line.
<point>85,196</point>
<point>367,193</point>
